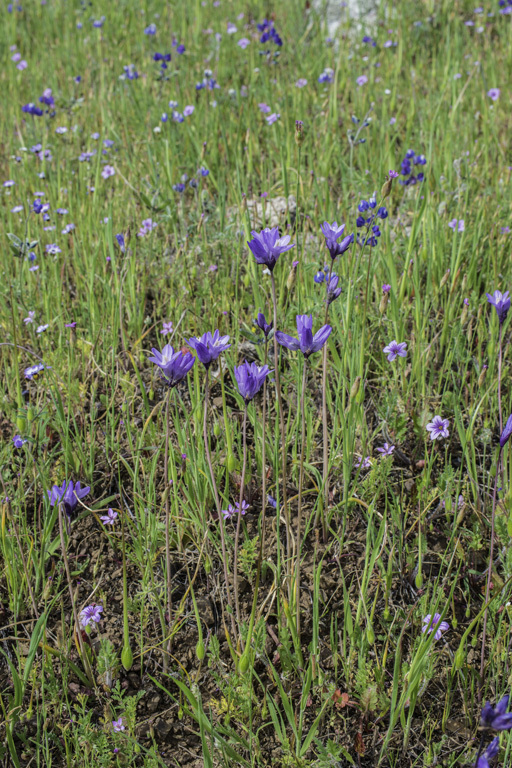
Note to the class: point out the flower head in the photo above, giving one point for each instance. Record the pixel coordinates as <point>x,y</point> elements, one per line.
<point>117,725</point>
<point>491,751</point>
<point>91,613</point>
<point>68,495</point>
<point>494,93</point>
<point>108,171</point>
<point>18,441</point>
<point>434,624</point>
<point>507,431</point>
<point>167,328</point>
<point>267,246</point>
<point>333,290</point>
<point>306,342</point>
<point>386,450</point>
<point>250,378</point>
<point>501,302</point>
<point>209,346</point>
<point>438,428</point>
<point>332,233</point>
<point>174,365</point>
<point>395,349</point>
<point>262,323</point>
<point>230,511</point>
<point>457,225</point>
<point>110,518</point>
<point>497,718</point>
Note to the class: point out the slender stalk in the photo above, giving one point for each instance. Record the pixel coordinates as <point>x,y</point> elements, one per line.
<point>217,499</point>
<point>20,421</point>
<point>127,653</point>
<point>83,651</point>
<point>167,650</point>
<point>281,422</point>
<point>299,505</point>
<point>237,534</point>
<point>500,357</point>
<point>480,747</point>
<point>263,461</point>
<point>325,431</point>
<point>489,572</point>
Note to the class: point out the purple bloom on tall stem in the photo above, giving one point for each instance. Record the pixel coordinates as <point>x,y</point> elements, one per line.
<point>209,346</point>
<point>250,378</point>
<point>434,624</point>
<point>333,291</point>
<point>438,428</point>
<point>507,432</point>
<point>306,342</point>
<point>267,246</point>
<point>395,349</point>
<point>332,233</point>
<point>497,718</point>
<point>501,302</point>
<point>174,365</point>
<point>262,323</point>
<point>68,495</point>
<point>491,751</point>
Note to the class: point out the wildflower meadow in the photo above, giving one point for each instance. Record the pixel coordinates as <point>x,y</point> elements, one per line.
<point>255,393</point>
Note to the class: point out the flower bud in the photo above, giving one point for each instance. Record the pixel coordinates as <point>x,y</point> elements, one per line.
<point>458,659</point>
<point>127,658</point>
<point>299,132</point>
<point>231,462</point>
<point>383,303</point>
<point>216,429</point>
<point>370,634</point>
<point>244,663</point>
<point>292,277</point>
<point>444,279</point>
<point>355,387</point>
<point>200,650</point>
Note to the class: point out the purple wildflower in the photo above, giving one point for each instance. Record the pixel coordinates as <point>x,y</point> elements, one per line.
<point>438,428</point>
<point>230,511</point>
<point>174,365</point>
<point>394,349</point>
<point>491,751</point>
<point>209,346</point>
<point>68,494</point>
<point>497,718</point>
<point>507,431</point>
<point>110,518</point>
<point>306,342</point>
<point>501,302</point>
<point>332,233</point>
<point>457,225</point>
<point>168,328</point>
<point>386,450</point>
<point>250,378</point>
<point>117,725</point>
<point>267,246</point>
<point>262,323</point>
<point>18,441</point>
<point>494,93</point>
<point>434,623</point>
<point>91,613</point>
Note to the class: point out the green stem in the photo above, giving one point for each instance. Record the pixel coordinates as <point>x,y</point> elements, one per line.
<point>299,505</point>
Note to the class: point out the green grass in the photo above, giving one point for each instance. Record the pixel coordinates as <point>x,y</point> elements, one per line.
<point>357,682</point>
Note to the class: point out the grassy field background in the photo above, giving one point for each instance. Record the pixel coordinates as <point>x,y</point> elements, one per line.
<point>129,188</point>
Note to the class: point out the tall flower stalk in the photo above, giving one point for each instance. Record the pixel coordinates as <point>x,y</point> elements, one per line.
<point>307,344</point>
<point>208,347</point>
<point>266,247</point>
<point>332,233</point>
<point>250,378</point>
<point>504,438</point>
<point>174,367</point>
